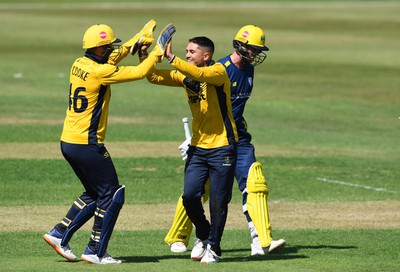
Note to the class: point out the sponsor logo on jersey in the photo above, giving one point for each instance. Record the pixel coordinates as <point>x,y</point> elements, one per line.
<point>194,90</point>
<point>197,97</point>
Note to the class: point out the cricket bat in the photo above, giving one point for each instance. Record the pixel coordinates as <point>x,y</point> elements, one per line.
<point>185,122</point>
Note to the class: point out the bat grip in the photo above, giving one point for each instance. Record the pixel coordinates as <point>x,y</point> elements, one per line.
<point>185,122</point>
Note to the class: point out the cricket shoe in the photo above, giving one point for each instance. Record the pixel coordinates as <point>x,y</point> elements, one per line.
<point>53,238</point>
<point>257,249</point>
<point>178,247</point>
<point>276,245</point>
<point>210,256</point>
<point>199,249</point>
<point>91,257</point>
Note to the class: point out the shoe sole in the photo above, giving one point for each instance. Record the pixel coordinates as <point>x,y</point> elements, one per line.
<point>209,262</point>
<point>83,258</point>
<point>178,250</point>
<point>57,249</point>
<point>198,258</point>
<point>258,253</point>
<point>88,261</point>
<point>279,247</point>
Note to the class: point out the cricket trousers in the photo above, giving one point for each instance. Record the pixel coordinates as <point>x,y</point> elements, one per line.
<point>93,166</point>
<point>218,164</point>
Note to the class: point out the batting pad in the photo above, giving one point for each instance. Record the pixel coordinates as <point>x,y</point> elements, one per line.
<point>257,203</point>
<point>181,226</point>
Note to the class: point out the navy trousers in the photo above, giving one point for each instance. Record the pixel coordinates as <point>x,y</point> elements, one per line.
<point>218,164</point>
<point>93,166</point>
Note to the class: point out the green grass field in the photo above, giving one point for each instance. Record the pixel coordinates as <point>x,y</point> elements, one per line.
<point>324,116</point>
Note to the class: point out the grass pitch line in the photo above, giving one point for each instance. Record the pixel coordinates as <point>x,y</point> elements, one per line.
<point>355,185</point>
<point>206,4</point>
<point>284,215</point>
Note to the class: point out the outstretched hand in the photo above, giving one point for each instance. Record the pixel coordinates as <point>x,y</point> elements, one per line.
<point>168,52</point>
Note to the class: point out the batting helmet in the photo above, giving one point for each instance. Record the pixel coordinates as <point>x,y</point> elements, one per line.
<point>99,35</point>
<point>252,35</point>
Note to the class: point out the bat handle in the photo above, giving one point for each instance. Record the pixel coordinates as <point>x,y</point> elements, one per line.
<point>185,122</point>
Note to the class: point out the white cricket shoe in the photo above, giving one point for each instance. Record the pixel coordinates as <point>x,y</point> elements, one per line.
<point>210,256</point>
<point>178,247</point>
<point>53,238</point>
<point>91,257</point>
<point>276,245</point>
<point>256,248</point>
<point>199,249</point>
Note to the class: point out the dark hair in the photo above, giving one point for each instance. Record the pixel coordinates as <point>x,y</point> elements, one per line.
<point>203,41</point>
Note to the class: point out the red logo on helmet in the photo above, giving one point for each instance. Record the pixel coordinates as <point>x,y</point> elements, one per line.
<point>245,34</point>
<point>103,35</point>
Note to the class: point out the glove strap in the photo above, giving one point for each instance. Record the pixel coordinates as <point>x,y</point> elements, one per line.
<point>172,59</point>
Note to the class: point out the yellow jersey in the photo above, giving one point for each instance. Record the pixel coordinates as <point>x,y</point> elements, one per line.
<point>89,96</point>
<point>208,94</point>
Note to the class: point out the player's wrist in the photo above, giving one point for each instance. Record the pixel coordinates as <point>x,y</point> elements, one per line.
<point>142,54</point>
<point>171,58</point>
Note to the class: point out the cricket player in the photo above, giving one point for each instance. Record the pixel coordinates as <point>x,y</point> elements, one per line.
<point>84,131</point>
<point>249,44</point>
<point>212,152</point>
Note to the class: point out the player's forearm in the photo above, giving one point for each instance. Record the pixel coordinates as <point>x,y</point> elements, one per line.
<point>165,77</point>
<point>147,66</point>
<point>130,73</point>
<point>214,74</point>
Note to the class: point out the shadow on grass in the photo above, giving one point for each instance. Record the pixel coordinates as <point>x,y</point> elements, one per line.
<point>152,259</point>
<point>284,254</point>
<point>287,253</point>
<point>156,259</point>
<point>295,249</point>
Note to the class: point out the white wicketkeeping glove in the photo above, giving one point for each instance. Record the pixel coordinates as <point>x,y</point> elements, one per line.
<point>184,148</point>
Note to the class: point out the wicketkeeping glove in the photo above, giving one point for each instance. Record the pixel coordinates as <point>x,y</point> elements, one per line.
<point>163,40</point>
<point>184,148</point>
<point>144,36</point>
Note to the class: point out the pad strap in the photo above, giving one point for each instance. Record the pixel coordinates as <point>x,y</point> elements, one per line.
<point>86,212</point>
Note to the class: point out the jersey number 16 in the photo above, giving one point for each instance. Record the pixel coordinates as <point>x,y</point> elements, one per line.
<point>79,102</point>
